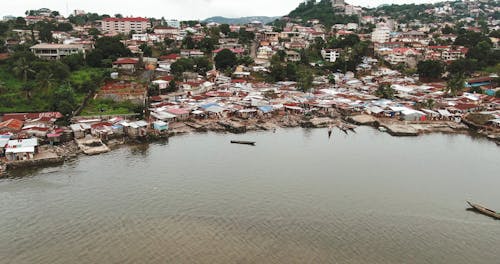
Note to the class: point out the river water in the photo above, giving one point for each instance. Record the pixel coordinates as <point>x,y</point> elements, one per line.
<point>296,197</point>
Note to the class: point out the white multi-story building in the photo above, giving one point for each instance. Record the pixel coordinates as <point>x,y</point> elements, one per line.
<point>381,34</point>
<point>330,55</point>
<point>125,25</point>
<point>174,23</point>
<point>57,51</point>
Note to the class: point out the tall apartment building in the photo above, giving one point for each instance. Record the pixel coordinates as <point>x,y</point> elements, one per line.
<point>381,34</point>
<point>125,25</point>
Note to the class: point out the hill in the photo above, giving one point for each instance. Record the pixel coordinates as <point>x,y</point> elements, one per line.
<point>239,20</point>
<point>323,11</point>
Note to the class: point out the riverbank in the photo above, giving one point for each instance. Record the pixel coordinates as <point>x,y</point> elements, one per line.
<point>56,155</point>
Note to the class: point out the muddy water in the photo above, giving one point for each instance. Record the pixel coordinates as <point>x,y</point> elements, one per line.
<point>296,197</point>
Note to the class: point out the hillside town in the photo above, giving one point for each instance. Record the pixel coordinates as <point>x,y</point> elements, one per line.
<point>88,82</point>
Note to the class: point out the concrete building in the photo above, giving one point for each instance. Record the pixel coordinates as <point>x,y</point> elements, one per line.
<point>330,55</point>
<point>125,25</point>
<point>338,4</point>
<point>292,56</point>
<point>173,23</point>
<point>381,34</point>
<point>57,51</point>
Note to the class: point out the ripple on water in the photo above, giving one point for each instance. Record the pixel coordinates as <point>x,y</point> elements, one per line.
<point>294,198</point>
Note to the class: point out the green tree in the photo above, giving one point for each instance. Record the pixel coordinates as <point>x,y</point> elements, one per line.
<point>45,33</point>
<point>305,80</point>
<point>277,72</point>
<point>64,27</point>
<point>462,66</point>
<point>225,59</point>
<point>245,37</point>
<point>225,29</point>
<point>455,84</point>
<point>430,69</point>
<point>153,89</point>
<point>94,32</point>
<point>45,80</point>
<point>483,54</point>
<point>497,94</point>
<point>22,68</point>
<point>203,65</point>
<point>172,87</point>
<point>64,100</point>
<point>385,90</point>
<point>291,72</point>
<point>94,58</point>
<point>27,88</point>
<point>430,103</point>
<point>245,60</point>
<point>207,45</point>
<point>4,28</point>
<point>470,39</point>
<point>146,50</point>
<point>188,43</point>
<point>74,61</point>
<point>111,48</point>
<point>180,66</point>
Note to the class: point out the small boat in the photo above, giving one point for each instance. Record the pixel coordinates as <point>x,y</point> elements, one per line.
<point>484,210</point>
<point>382,129</point>
<point>243,142</point>
<point>343,128</point>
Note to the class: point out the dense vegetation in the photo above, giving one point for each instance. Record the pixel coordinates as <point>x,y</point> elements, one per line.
<point>323,11</point>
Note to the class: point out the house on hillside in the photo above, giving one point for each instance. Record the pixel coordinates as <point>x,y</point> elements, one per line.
<point>126,64</point>
<point>57,51</point>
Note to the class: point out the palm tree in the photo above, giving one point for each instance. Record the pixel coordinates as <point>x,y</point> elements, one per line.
<point>27,88</point>
<point>45,80</point>
<point>22,67</point>
<point>455,84</point>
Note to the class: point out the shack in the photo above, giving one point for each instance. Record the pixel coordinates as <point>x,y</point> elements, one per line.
<point>21,149</point>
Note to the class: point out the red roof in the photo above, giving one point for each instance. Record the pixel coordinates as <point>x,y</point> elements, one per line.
<point>126,61</point>
<point>481,80</point>
<point>439,47</point>
<point>101,124</point>
<point>465,106</point>
<point>156,98</point>
<point>170,57</point>
<point>25,116</point>
<point>126,19</point>
<point>178,111</point>
<point>12,124</point>
<point>167,78</point>
<point>4,56</point>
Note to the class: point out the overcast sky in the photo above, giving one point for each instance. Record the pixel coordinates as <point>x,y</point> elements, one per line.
<point>178,9</point>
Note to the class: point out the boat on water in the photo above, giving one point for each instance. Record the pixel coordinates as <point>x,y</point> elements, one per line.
<point>484,210</point>
<point>252,143</point>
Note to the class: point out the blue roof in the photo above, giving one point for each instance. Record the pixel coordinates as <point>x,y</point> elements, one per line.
<point>205,106</point>
<point>266,108</point>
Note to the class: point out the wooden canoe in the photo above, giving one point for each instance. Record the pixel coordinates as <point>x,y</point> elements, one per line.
<point>484,210</point>
<point>243,142</point>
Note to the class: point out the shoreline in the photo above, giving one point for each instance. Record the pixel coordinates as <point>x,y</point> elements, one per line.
<point>58,155</point>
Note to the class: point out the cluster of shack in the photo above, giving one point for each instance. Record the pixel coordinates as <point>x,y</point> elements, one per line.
<point>22,134</point>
